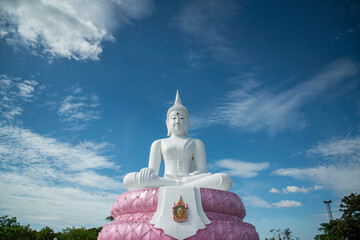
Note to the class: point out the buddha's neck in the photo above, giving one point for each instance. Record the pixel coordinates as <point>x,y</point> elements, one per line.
<point>180,136</point>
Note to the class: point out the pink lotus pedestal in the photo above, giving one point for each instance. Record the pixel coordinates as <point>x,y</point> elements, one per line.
<point>133,210</point>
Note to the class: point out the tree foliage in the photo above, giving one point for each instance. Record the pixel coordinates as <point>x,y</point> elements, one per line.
<point>79,233</point>
<point>278,234</point>
<point>11,229</point>
<point>348,226</point>
<point>46,233</point>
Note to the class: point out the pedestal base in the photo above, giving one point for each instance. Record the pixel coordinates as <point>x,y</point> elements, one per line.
<point>133,210</point>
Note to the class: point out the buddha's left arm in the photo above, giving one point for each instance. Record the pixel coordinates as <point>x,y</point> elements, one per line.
<point>155,157</point>
<point>200,157</point>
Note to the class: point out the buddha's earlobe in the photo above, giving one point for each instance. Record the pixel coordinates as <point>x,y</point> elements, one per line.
<point>168,130</point>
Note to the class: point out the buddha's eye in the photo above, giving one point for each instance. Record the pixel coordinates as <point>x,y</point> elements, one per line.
<point>181,117</point>
<point>173,117</point>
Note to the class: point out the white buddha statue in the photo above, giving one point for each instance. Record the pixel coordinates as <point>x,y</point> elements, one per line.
<point>184,158</point>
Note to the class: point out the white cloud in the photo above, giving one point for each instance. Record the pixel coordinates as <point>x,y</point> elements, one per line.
<point>58,206</point>
<point>259,202</point>
<point>256,201</point>
<point>342,180</point>
<point>205,22</point>
<point>340,172</point>
<point>65,28</point>
<point>242,169</point>
<point>26,89</point>
<point>92,179</point>
<point>13,93</point>
<point>274,190</point>
<point>253,108</point>
<point>295,189</point>
<point>76,89</point>
<point>22,146</point>
<point>287,203</point>
<point>47,181</point>
<point>58,183</point>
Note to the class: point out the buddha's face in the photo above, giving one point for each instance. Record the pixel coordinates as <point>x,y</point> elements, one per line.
<point>178,123</point>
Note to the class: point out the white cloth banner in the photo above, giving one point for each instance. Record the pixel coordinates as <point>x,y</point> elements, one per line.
<point>163,217</point>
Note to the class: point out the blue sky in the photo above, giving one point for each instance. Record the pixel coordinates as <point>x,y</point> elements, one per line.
<point>272,88</point>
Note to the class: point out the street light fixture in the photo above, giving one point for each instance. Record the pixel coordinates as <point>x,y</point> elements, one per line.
<point>329,209</point>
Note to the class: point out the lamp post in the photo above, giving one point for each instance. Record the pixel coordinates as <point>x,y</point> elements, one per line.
<point>327,203</point>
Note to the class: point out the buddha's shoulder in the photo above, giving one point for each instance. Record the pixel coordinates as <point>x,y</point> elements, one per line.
<point>198,142</point>
<point>159,141</point>
<point>156,143</point>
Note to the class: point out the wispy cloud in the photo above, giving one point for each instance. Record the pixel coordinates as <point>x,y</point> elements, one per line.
<point>78,110</point>
<point>242,169</point>
<point>22,146</point>
<point>347,148</point>
<point>70,29</point>
<point>352,30</point>
<point>45,180</point>
<point>287,204</point>
<point>251,107</point>
<point>13,93</point>
<point>341,170</point>
<point>46,204</point>
<point>41,173</point>
<point>259,202</point>
<point>341,179</point>
<point>204,22</point>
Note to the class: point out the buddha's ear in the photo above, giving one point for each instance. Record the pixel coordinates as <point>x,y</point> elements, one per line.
<point>168,133</point>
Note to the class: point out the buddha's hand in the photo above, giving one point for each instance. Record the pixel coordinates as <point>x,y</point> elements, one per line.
<point>145,175</point>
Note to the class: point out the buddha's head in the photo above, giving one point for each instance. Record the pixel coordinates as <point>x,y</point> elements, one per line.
<point>177,119</point>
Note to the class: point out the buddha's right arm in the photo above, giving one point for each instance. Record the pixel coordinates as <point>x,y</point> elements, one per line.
<point>155,157</point>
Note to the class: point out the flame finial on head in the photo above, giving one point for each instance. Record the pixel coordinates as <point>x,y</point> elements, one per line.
<point>177,98</point>
<point>177,107</point>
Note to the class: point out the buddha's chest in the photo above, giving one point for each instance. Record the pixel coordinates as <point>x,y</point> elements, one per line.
<point>179,150</point>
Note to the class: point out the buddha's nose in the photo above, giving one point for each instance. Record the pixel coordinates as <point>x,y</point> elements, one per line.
<point>177,120</point>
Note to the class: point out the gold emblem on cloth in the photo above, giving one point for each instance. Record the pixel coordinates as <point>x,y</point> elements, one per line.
<point>180,211</point>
